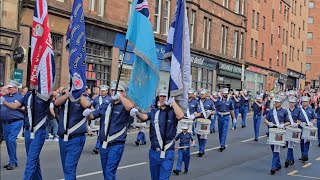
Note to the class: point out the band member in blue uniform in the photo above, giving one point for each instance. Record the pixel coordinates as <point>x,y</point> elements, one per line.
<point>163,129</point>
<point>141,137</point>
<point>308,118</point>
<point>193,107</point>
<point>71,131</point>
<point>12,123</point>
<point>224,107</point>
<point>277,117</point>
<point>214,98</point>
<point>102,98</point>
<point>293,114</point>
<point>112,143</point>
<point>257,114</point>
<point>207,110</point>
<point>184,149</point>
<point>244,106</point>
<point>318,122</point>
<point>236,103</point>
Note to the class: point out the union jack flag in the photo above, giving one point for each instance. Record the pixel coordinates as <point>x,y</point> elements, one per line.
<point>143,8</point>
<point>42,76</point>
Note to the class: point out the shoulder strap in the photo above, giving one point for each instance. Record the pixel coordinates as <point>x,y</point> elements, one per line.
<point>290,116</point>
<point>157,128</point>
<point>305,115</point>
<point>275,116</point>
<point>202,110</point>
<point>29,110</point>
<point>100,100</point>
<point>107,119</point>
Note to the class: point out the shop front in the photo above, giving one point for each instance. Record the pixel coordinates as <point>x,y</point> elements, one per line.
<point>229,76</point>
<point>293,80</point>
<point>203,72</point>
<point>255,79</point>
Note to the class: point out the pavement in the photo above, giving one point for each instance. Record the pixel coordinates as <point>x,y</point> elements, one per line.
<point>242,159</point>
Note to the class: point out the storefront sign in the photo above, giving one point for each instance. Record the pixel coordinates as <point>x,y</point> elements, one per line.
<point>17,75</point>
<point>296,74</point>
<point>196,59</point>
<point>257,70</point>
<point>230,68</point>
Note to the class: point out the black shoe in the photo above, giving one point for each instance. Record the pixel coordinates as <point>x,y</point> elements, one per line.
<point>96,151</point>
<point>278,168</point>
<point>318,145</point>
<point>243,126</point>
<point>213,131</point>
<point>221,149</point>
<point>272,171</point>
<point>284,146</point>
<point>286,164</point>
<point>305,158</point>
<point>143,143</point>
<point>255,139</point>
<point>176,172</point>
<point>5,166</point>
<point>186,172</point>
<point>291,162</point>
<point>200,154</point>
<point>137,143</point>
<point>10,167</point>
<point>301,158</point>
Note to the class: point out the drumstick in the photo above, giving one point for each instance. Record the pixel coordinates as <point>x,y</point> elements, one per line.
<point>182,147</point>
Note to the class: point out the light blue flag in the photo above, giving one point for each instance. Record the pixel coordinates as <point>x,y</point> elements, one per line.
<point>145,73</point>
<point>178,51</point>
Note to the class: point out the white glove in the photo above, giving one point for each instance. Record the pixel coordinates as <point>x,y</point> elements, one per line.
<point>86,112</point>
<point>191,117</point>
<point>116,96</point>
<point>294,125</point>
<point>2,100</point>
<point>133,112</point>
<point>234,120</point>
<point>169,101</point>
<point>270,124</point>
<point>209,112</point>
<point>310,124</point>
<point>281,126</point>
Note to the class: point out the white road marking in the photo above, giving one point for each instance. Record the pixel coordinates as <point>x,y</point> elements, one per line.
<point>292,173</point>
<point>306,165</point>
<point>210,149</point>
<point>99,172</point>
<point>253,138</point>
<point>309,177</point>
<point>318,159</point>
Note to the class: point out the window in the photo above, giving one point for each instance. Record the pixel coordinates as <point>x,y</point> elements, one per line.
<point>256,49</point>
<point>299,32</point>
<point>310,20</point>
<point>285,13</point>
<point>308,66</point>
<point>241,46</point>
<point>224,34</point>
<point>235,44</point>
<point>298,55</point>
<point>192,24</point>
<point>264,22</point>
<point>101,7</point>
<point>294,30</point>
<point>206,33</point>
<point>302,46</point>
<point>270,63</point>
<point>237,8</point>
<point>257,21</point>
<point>283,36</point>
<point>226,3</point>
<point>287,34</point>
<point>303,25</point>
<point>279,31</point>
<point>2,69</point>
<point>253,14</point>
<point>271,39</point>
<point>300,10</point>
<point>262,51</point>
<point>166,17</point>
<point>280,7</point>
<point>91,5</point>
<point>157,15</point>
<point>311,4</point>
<point>273,15</point>
<point>291,29</point>
<point>251,49</point>
<point>309,51</point>
<point>290,53</point>
<point>242,7</point>
<point>282,59</point>
<point>278,61</point>
<point>310,35</point>
<point>285,60</point>
<point>202,78</point>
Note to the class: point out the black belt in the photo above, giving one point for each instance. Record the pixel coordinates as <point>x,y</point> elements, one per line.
<point>184,149</point>
<point>159,149</point>
<point>74,136</point>
<point>115,143</point>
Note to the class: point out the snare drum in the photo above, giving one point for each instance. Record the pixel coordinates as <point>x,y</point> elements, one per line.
<point>276,137</point>
<point>202,126</point>
<point>293,134</point>
<point>187,122</point>
<point>309,133</point>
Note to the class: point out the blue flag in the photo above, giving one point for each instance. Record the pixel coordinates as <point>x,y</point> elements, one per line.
<point>145,73</point>
<point>76,45</point>
<point>178,51</point>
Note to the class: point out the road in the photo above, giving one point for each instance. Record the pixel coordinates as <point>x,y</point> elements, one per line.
<point>243,158</point>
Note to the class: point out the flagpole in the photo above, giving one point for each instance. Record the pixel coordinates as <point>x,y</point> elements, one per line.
<point>32,115</point>
<point>68,113</point>
<point>116,89</point>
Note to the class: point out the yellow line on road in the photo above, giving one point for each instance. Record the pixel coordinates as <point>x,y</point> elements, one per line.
<point>292,173</point>
<point>306,165</point>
